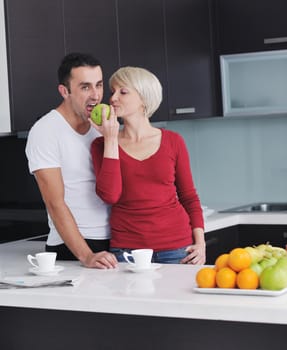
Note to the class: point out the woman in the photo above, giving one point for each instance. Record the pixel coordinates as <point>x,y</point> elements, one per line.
<point>144,172</point>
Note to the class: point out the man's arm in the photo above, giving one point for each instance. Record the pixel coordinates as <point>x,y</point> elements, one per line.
<point>51,186</point>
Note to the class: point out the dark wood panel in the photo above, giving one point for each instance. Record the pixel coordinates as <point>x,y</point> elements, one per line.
<point>243,25</point>
<point>219,242</point>
<point>261,234</point>
<point>91,26</point>
<point>35,48</point>
<point>142,42</point>
<point>33,329</point>
<point>190,57</point>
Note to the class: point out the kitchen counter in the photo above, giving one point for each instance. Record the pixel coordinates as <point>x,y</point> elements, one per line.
<point>166,292</point>
<point>156,307</point>
<point>218,221</point>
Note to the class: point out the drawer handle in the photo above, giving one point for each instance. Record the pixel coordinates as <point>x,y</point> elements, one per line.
<point>283,39</point>
<point>284,234</point>
<point>211,241</point>
<point>187,110</point>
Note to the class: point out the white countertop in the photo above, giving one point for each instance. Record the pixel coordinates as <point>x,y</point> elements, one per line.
<point>221,220</point>
<point>166,292</point>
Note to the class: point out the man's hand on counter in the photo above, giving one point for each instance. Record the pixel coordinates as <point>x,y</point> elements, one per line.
<point>101,260</point>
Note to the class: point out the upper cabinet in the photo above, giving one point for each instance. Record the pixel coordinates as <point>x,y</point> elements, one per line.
<point>91,26</point>
<point>35,48</point>
<point>191,89</point>
<point>142,42</point>
<point>247,26</point>
<point>170,38</point>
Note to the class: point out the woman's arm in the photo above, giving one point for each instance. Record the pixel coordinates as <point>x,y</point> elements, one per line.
<point>188,197</point>
<point>105,158</point>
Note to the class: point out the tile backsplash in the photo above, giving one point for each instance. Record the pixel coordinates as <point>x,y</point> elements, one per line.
<point>237,160</point>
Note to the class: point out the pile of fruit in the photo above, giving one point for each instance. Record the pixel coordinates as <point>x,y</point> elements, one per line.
<point>262,266</point>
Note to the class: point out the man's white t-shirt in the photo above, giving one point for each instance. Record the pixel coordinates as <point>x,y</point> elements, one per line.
<point>53,143</point>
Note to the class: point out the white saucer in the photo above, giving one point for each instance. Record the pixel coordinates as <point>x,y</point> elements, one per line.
<point>152,267</point>
<point>55,271</point>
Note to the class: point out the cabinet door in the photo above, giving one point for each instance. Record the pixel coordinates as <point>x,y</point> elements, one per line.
<point>189,59</point>
<point>91,26</point>
<point>16,230</point>
<point>35,48</point>
<point>141,37</point>
<point>250,235</point>
<point>220,242</point>
<point>246,26</point>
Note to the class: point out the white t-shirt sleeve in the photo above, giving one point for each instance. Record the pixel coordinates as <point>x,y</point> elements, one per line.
<point>42,149</point>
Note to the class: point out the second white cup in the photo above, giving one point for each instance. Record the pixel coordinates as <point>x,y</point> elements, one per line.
<point>141,257</point>
<point>45,261</point>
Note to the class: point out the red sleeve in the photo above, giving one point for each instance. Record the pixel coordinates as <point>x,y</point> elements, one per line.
<point>108,173</point>
<point>186,190</point>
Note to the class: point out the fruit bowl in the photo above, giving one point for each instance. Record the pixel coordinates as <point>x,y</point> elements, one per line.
<point>237,291</point>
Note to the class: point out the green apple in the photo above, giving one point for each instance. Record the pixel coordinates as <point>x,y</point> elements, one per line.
<point>256,254</point>
<point>274,278</point>
<point>282,262</point>
<point>256,267</point>
<point>96,114</point>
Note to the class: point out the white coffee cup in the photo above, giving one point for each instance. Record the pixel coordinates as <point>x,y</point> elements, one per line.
<point>45,261</point>
<point>141,257</point>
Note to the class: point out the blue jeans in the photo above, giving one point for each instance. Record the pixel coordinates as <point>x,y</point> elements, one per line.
<point>162,257</point>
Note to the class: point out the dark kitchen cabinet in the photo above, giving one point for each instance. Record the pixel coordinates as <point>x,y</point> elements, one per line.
<point>16,230</point>
<point>223,240</point>
<point>91,26</point>
<point>173,39</point>
<point>190,66</point>
<point>250,235</point>
<point>247,26</point>
<point>35,45</point>
<point>142,42</point>
<point>220,242</point>
<point>39,35</point>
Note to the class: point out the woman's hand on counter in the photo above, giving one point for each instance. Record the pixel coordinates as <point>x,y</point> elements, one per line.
<point>196,252</point>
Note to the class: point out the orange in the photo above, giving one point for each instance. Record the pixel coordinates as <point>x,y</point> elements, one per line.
<point>221,261</point>
<point>247,279</point>
<point>226,278</point>
<point>205,277</point>
<point>239,259</point>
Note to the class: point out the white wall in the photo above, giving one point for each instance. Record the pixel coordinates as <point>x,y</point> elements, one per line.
<point>5,124</point>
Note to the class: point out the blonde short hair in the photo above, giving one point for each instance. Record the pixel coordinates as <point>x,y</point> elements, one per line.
<point>144,82</point>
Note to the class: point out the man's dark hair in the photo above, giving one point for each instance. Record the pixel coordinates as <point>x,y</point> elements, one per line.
<point>74,60</point>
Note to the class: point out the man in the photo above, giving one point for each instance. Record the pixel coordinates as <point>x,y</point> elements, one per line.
<point>58,152</point>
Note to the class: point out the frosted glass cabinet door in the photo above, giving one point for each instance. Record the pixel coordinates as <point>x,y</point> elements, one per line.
<point>254,83</point>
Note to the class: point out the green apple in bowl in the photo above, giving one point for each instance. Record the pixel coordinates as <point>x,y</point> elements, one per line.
<point>274,277</point>
<point>96,114</point>
<point>282,262</point>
